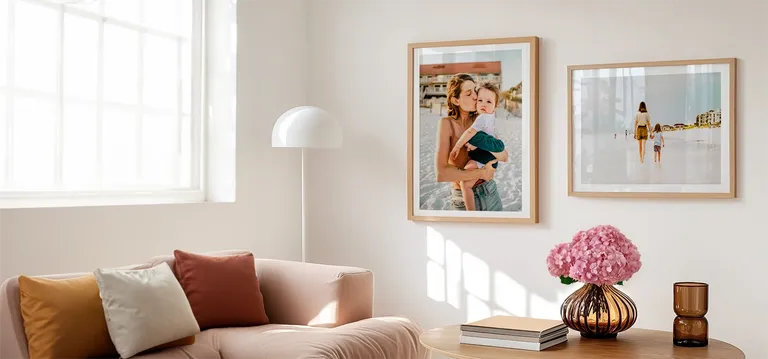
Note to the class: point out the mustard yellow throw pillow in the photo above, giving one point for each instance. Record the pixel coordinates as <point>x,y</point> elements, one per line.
<point>64,318</point>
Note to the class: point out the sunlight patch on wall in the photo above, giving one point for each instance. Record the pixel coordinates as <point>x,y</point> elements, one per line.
<point>435,246</point>
<point>542,308</point>
<point>456,277</point>
<point>435,281</point>
<point>435,270</point>
<point>476,277</point>
<point>453,274</point>
<point>500,312</point>
<point>476,308</point>
<point>509,294</point>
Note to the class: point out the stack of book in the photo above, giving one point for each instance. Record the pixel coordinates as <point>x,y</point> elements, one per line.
<point>504,331</point>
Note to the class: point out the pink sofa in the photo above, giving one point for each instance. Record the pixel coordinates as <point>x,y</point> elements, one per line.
<point>315,311</point>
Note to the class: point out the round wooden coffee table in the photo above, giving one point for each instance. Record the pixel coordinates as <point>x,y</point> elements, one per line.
<point>633,343</point>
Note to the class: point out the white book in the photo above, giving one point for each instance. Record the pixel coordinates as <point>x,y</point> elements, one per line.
<point>511,344</point>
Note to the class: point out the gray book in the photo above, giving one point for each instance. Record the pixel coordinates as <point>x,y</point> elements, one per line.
<point>512,344</point>
<point>529,339</point>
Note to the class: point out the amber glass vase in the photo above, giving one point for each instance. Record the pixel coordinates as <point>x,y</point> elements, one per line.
<point>691,303</point>
<point>598,311</point>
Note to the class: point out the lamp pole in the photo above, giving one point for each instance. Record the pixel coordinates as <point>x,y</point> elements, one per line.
<point>303,210</point>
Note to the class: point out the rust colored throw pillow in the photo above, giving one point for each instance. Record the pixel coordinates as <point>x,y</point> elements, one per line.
<point>63,318</point>
<point>222,290</point>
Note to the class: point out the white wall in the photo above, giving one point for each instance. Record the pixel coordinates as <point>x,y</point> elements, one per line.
<point>357,209</point>
<point>272,74</point>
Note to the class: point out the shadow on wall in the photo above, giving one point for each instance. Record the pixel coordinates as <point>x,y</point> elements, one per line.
<point>473,286</point>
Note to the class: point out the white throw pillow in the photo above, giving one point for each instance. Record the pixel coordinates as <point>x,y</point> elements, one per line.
<point>144,308</point>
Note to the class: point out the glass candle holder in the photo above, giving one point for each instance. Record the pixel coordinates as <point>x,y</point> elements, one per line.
<point>691,303</point>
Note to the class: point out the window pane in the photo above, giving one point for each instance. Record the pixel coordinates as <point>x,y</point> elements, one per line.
<point>120,64</point>
<point>159,150</point>
<point>123,9</point>
<point>186,20</point>
<point>35,45</point>
<point>118,147</point>
<point>79,146</point>
<point>33,143</point>
<point>185,164</point>
<point>3,143</point>
<point>81,46</point>
<point>161,69</point>
<point>163,14</point>
<point>93,7</point>
<point>3,40</point>
<point>186,78</point>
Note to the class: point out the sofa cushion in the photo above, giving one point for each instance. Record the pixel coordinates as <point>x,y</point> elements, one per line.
<point>204,347</point>
<point>222,290</point>
<point>63,318</point>
<point>145,308</point>
<point>374,338</point>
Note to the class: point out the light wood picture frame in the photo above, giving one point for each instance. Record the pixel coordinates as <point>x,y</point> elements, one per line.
<point>662,129</point>
<point>452,86</point>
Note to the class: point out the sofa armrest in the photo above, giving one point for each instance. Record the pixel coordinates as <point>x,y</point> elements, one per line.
<point>314,294</point>
<point>13,339</point>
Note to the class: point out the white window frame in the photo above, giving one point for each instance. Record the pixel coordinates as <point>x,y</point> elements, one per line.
<point>212,33</point>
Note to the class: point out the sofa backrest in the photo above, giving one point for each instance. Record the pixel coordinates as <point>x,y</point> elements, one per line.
<point>13,340</point>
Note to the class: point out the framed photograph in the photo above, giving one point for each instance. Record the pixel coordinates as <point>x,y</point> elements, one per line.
<point>472,130</point>
<point>653,129</point>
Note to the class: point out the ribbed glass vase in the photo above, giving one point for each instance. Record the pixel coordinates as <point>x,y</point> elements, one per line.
<point>598,311</point>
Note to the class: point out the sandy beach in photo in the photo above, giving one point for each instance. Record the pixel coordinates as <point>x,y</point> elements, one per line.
<point>436,196</point>
<point>690,157</point>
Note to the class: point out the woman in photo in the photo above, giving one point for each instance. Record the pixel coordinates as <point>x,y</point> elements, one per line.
<point>462,112</point>
<point>642,127</point>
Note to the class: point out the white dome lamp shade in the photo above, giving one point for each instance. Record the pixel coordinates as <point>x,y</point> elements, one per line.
<point>306,127</point>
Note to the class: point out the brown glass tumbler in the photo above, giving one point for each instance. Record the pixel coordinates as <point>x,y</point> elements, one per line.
<point>691,303</point>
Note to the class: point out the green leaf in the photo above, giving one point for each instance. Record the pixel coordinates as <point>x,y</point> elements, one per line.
<point>621,282</point>
<point>567,280</point>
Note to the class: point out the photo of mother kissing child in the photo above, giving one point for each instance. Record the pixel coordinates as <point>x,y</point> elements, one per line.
<point>480,140</point>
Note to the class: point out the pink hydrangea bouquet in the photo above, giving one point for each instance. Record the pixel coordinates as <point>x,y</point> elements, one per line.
<point>600,255</point>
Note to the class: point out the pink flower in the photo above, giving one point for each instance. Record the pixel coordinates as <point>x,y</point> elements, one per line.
<point>599,255</point>
<point>559,260</point>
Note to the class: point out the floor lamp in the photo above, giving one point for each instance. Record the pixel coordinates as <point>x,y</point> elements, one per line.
<point>306,127</point>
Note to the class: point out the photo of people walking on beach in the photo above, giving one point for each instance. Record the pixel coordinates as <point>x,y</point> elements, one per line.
<point>471,129</point>
<point>656,129</point>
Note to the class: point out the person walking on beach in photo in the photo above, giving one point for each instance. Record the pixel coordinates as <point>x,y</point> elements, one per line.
<point>658,143</point>
<point>642,127</point>
<point>462,112</point>
<point>486,146</point>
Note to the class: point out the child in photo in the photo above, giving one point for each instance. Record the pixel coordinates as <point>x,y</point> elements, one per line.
<point>480,139</point>
<point>658,143</point>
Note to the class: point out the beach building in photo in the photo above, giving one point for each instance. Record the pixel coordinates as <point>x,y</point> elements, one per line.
<point>433,78</point>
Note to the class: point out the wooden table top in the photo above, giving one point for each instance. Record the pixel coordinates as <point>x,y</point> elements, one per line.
<point>633,343</point>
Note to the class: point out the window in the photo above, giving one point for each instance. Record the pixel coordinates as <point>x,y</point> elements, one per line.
<point>101,101</point>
